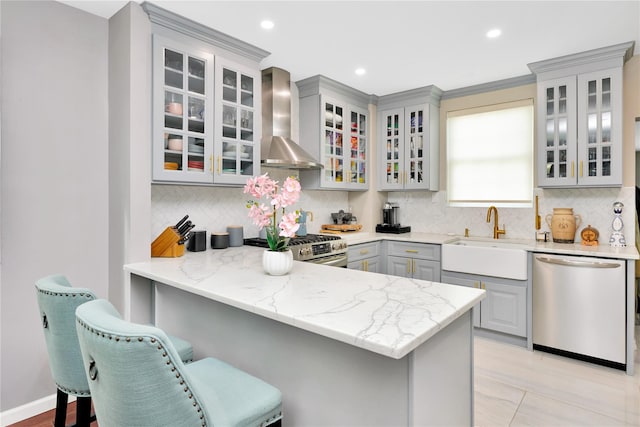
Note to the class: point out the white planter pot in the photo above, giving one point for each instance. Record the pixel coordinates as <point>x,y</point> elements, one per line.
<point>277,263</point>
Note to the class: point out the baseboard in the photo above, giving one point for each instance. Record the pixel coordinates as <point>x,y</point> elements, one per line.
<point>29,410</point>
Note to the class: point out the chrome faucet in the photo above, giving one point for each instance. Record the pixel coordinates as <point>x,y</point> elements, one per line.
<point>496,231</point>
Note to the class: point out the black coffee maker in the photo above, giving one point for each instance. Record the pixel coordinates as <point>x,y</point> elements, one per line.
<point>391,221</point>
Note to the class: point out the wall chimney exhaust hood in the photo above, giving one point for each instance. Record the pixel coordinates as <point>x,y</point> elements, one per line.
<point>277,148</point>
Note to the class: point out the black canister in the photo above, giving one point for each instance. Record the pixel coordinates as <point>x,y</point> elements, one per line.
<point>220,240</point>
<point>198,241</point>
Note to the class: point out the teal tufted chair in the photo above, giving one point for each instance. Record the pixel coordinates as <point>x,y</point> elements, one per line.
<point>58,301</point>
<point>137,379</point>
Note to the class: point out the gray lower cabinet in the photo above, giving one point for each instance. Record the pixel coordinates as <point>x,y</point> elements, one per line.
<point>505,307</point>
<point>414,260</point>
<point>365,257</point>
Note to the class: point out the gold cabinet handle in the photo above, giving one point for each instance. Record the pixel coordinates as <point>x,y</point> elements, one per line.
<point>573,166</point>
<point>408,266</point>
<point>405,177</point>
<point>476,284</point>
<point>211,163</point>
<point>219,164</point>
<point>364,251</point>
<point>411,251</point>
<point>414,266</point>
<point>581,168</point>
<point>483,286</point>
<point>366,265</point>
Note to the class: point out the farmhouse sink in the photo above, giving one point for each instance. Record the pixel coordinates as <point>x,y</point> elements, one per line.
<point>488,257</point>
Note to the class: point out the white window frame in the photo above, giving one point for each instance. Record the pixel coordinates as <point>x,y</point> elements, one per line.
<point>484,165</point>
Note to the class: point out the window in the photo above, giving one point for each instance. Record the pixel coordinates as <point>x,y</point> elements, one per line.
<point>490,155</point>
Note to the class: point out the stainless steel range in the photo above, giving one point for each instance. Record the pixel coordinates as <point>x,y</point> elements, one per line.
<point>317,248</point>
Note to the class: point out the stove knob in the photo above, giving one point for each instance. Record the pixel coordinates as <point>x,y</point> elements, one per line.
<point>300,252</point>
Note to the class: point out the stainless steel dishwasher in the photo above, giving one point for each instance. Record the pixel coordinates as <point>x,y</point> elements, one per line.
<point>579,308</point>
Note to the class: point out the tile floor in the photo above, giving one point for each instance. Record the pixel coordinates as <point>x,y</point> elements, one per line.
<point>516,387</point>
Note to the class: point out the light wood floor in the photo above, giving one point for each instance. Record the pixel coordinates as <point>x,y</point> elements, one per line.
<point>516,387</point>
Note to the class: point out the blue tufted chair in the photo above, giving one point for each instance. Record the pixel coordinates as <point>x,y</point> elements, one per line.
<point>137,379</point>
<point>58,301</point>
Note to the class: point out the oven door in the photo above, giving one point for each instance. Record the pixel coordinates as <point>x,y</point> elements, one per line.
<point>339,260</point>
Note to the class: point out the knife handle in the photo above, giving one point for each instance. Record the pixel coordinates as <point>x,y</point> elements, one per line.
<point>184,228</point>
<point>177,226</point>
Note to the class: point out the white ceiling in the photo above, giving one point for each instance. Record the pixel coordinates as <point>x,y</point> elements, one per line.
<point>409,44</point>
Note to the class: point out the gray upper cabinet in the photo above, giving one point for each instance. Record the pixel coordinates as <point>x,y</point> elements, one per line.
<point>182,112</point>
<point>334,126</point>
<point>237,109</point>
<point>206,103</point>
<point>408,135</point>
<point>579,118</point>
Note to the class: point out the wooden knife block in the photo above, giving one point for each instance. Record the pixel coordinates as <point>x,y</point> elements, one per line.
<point>166,244</point>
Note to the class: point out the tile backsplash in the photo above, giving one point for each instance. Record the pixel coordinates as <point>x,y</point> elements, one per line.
<point>428,212</point>
<point>214,208</point>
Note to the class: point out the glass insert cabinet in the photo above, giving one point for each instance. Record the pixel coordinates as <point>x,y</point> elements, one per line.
<point>582,134</point>
<point>205,116</point>
<point>345,145</point>
<point>579,120</point>
<point>408,134</point>
<point>183,121</point>
<point>334,126</point>
<point>404,155</point>
<point>237,155</point>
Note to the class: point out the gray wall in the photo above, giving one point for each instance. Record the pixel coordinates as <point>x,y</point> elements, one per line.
<point>54,175</point>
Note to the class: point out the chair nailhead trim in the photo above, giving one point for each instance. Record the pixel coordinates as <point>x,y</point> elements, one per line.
<point>195,403</point>
<point>65,294</point>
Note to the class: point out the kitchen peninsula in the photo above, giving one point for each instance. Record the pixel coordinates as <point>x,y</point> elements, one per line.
<point>345,347</point>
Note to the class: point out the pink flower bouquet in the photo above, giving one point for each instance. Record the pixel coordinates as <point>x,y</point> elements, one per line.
<point>265,216</point>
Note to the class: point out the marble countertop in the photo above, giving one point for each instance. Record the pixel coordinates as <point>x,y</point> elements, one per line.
<point>384,314</point>
<point>603,250</point>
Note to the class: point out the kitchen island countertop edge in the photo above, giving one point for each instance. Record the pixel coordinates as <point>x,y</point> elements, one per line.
<point>385,314</point>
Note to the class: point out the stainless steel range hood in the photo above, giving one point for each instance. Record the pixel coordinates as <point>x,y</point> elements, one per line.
<point>278,149</point>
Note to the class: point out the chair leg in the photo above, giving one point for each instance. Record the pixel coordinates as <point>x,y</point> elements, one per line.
<point>61,409</point>
<point>83,412</point>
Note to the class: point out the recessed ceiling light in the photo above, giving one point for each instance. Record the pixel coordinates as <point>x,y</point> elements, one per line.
<point>492,34</point>
<point>361,71</point>
<point>267,24</point>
